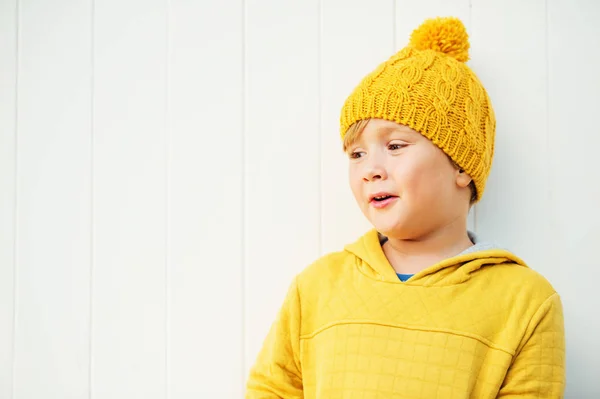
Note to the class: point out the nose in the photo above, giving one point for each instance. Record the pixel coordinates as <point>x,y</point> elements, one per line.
<point>374,170</point>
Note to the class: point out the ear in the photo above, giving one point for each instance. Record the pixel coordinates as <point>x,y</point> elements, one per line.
<point>463,179</point>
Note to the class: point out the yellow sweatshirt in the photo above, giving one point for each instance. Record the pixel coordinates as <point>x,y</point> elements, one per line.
<point>479,325</point>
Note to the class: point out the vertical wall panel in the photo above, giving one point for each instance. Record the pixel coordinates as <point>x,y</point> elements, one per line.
<point>53,241</point>
<point>129,314</point>
<point>574,169</point>
<point>356,37</point>
<point>205,119</point>
<point>281,155</point>
<point>8,137</point>
<point>188,155</point>
<point>514,206</point>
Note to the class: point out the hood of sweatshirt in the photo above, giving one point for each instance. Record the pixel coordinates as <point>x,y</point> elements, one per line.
<point>372,262</point>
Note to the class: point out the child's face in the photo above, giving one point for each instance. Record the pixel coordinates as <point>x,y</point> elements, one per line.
<point>420,190</point>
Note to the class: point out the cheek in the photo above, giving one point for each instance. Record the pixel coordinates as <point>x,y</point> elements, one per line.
<point>355,181</point>
<point>420,179</point>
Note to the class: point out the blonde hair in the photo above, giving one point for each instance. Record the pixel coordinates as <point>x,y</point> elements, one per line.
<point>355,130</point>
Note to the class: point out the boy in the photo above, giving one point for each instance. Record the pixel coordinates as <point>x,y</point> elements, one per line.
<point>417,307</point>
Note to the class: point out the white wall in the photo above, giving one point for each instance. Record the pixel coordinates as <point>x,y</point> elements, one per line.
<point>167,166</point>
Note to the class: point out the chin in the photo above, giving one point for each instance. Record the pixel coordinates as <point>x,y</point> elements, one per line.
<point>398,229</point>
<point>387,228</point>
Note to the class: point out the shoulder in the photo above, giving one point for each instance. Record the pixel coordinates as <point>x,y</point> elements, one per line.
<point>517,291</point>
<point>322,285</point>
<point>327,270</point>
<point>521,278</point>
<point>526,297</point>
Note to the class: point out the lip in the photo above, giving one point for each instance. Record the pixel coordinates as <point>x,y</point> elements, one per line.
<point>382,204</point>
<point>380,194</point>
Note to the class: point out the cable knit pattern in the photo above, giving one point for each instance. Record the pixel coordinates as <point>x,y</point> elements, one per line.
<point>429,88</point>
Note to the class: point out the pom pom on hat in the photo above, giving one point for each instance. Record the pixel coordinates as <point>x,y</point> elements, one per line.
<point>446,35</point>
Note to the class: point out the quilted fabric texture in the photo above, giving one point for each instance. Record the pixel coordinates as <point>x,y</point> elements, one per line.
<point>480,325</point>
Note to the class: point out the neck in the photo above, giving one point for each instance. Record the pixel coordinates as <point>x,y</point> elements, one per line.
<point>410,256</point>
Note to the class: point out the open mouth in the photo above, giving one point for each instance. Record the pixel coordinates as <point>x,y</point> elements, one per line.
<point>382,198</point>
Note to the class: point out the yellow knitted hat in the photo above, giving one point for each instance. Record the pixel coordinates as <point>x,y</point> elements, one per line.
<point>428,87</point>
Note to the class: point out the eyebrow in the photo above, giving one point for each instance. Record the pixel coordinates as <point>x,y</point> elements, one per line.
<point>385,130</point>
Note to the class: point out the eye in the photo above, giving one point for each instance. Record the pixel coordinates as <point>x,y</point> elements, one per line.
<point>393,147</point>
<point>355,154</point>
